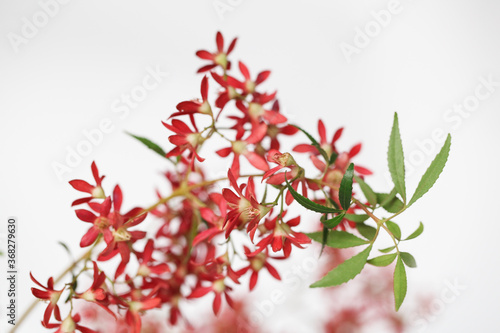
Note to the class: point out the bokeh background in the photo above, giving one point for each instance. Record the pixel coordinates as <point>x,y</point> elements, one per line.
<point>350,63</point>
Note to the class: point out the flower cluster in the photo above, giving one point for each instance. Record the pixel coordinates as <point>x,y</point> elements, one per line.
<point>193,250</point>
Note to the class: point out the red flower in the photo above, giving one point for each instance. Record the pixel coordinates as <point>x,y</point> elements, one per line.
<point>137,304</point>
<point>295,175</point>
<point>255,110</point>
<point>216,222</point>
<point>219,288</point>
<point>95,292</point>
<point>69,325</point>
<point>100,223</point>
<point>248,86</point>
<point>148,265</point>
<point>120,238</point>
<point>244,209</point>
<point>196,106</point>
<point>49,294</point>
<point>96,192</point>
<point>257,262</point>
<point>342,160</point>
<point>185,139</point>
<point>282,237</point>
<point>218,58</point>
<point>240,147</point>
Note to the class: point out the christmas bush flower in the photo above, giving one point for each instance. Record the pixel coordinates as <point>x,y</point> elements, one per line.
<point>197,250</point>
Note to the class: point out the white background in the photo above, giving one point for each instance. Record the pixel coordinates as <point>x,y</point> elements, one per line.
<point>431,56</point>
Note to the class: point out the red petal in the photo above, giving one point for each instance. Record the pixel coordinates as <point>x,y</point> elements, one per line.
<point>81,185</point>
<point>220,42</point>
<point>262,77</point>
<point>204,88</point>
<point>90,237</point>
<point>117,198</point>
<point>244,70</point>
<point>321,131</point>
<point>85,215</point>
<point>256,160</point>
<point>205,55</point>
<point>355,150</point>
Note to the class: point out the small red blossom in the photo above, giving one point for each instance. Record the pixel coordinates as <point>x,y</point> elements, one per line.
<point>247,86</point>
<point>184,139</point>
<point>282,237</point>
<point>218,58</point>
<point>240,147</point>
<point>219,288</point>
<point>95,191</point>
<point>244,209</point>
<point>48,294</point>
<point>256,263</point>
<point>195,106</point>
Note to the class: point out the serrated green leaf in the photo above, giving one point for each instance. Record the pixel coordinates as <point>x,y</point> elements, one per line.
<point>395,158</point>
<point>345,271</point>
<point>357,218</point>
<point>366,231</point>
<point>408,259</point>
<point>345,191</point>
<point>314,143</point>
<point>333,222</point>
<point>311,205</point>
<point>392,205</point>
<point>367,191</point>
<point>394,229</point>
<point>400,283</point>
<point>387,249</point>
<point>383,260</point>
<point>338,239</point>
<point>432,174</point>
<point>150,144</point>
<point>417,232</point>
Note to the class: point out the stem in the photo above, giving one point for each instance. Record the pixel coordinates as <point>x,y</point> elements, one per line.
<point>366,210</point>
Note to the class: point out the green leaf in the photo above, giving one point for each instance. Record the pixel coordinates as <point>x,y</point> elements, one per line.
<point>357,218</point>
<point>417,232</point>
<point>387,249</point>
<point>323,240</point>
<point>433,172</point>
<point>366,231</point>
<point>408,259</point>
<point>151,145</point>
<point>345,191</point>
<point>395,158</point>
<point>311,205</point>
<point>345,271</point>
<point>399,283</point>
<point>337,239</point>
<point>384,260</point>
<point>314,143</point>
<point>390,202</point>
<point>367,191</point>
<point>394,229</point>
<point>333,222</point>
<point>65,246</point>
<point>333,158</point>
